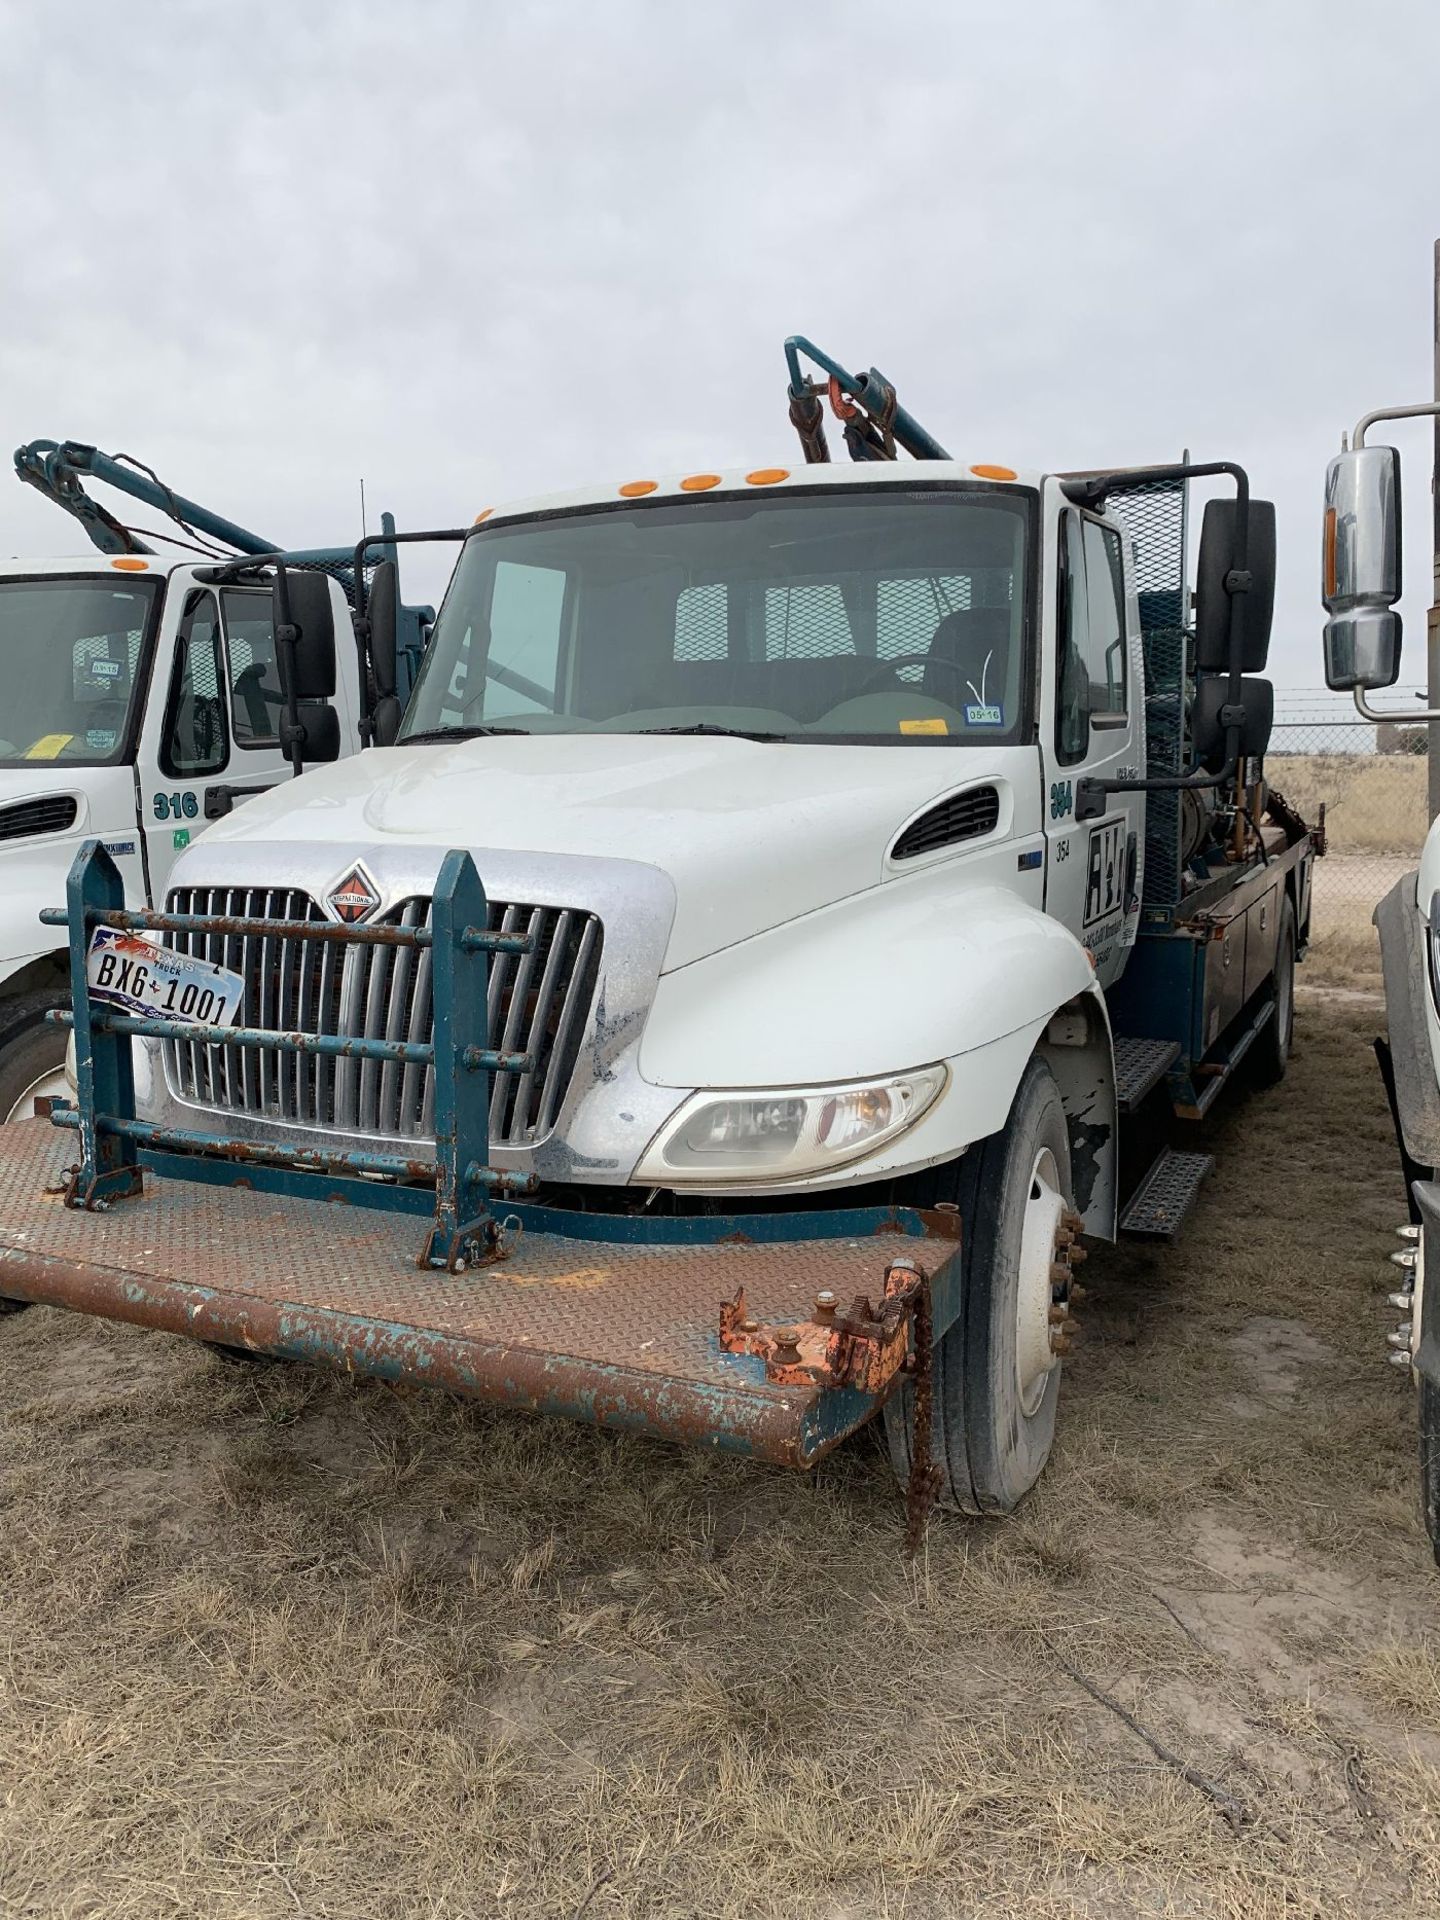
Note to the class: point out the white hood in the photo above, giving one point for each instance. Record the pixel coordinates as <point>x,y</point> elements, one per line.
<point>752,834</point>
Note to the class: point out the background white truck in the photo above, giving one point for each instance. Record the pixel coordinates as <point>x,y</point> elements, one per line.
<point>140,697</point>
<point>799,905</point>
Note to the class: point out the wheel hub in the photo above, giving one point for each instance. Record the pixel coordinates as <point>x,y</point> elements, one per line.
<point>1045,1290</point>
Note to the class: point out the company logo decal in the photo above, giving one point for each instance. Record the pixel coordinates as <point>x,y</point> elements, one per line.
<point>354,898</point>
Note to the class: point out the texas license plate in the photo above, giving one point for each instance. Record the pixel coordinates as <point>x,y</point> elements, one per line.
<point>143,977</point>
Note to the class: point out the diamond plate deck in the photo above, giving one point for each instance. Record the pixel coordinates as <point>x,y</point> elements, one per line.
<point>618,1334</point>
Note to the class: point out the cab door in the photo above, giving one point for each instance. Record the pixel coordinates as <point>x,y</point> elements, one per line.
<point>210,735</point>
<point>1092,727</point>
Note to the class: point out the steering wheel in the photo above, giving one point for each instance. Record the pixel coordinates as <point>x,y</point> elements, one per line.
<point>879,682</point>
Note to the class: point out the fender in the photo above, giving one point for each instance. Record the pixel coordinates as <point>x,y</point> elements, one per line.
<point>1411,1016</point>
<point>904,976</point>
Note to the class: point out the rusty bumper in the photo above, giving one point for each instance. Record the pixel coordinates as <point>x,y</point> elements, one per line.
<point>620,1335</point>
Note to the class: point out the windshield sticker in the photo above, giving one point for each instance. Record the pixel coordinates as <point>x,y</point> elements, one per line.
<point>101,739</point>
<point>937,725</point>
<point>984,717</point>
<point>49,746</point>
<point>104,669</point>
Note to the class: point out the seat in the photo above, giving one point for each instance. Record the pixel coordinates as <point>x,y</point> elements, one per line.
<point>975,641</point>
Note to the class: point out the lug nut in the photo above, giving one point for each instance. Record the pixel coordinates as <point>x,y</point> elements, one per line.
<point>1404,1301</point>
<point>1401,1336</point>
<point>1059,1315</point>
<point>1078,1294</point>
<point>1077,1254</point>
<point>1399,1360</point>
<point>1409,1231</point>
<point>1060,1342</point>
<point>1407,1257</point>
<point>1059,1273</point>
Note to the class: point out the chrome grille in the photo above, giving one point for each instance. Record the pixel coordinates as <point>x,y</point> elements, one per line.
<point>539,1003</point>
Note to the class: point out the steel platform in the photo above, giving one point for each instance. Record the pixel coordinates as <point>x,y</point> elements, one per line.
<point>614,1333</point>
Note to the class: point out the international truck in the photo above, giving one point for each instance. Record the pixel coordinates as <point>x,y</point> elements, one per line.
<point>801,907</point>
<point>1361,584</point>
<point>139,699</point>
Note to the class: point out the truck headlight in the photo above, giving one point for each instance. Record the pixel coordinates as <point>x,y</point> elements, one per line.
<point>789,1132</point>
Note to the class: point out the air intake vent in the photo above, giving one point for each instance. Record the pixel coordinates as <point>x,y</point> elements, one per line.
<point>26,817</point>
<point>964,816</point>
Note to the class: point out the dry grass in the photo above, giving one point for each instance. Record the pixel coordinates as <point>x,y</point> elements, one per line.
<point>1374,802</point>
<point>273,1643</point>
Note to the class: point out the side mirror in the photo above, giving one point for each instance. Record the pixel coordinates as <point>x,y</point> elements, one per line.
<point>381,604</point>
<point>1360,563</point>
<point>304,633</point>
<point>1362,650</point>
<point>1213,603</point>
<point>1207,732</point>
<point>320,731</point>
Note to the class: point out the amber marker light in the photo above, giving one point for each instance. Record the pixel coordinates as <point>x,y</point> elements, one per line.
<point>483,515</point>
<point>994,473</point>
<point>699,482</point>
<point>767,476</point>
<point>635,489</point>
<point>129,564</point>
<point>1332,580</point>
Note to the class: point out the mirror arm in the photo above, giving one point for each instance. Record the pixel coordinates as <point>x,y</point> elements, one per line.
<point>1367,712</point>
<point>1363,425</point>
<point>292,734</point>
<point>360,620</point>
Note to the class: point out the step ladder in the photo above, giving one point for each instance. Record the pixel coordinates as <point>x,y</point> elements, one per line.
<point>1158,1206</point>
<point>1140,1065</point>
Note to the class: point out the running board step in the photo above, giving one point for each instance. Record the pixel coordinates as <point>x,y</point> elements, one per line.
<point>1166,1194</point>
<point>1140,1065</point>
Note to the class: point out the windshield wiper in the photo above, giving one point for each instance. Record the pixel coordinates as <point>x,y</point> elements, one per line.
<point>709,726</point>
<point>431,734</point>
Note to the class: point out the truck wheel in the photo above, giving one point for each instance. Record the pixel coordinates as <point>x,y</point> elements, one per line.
<point>32,1055</point>
<point>1430,1460</point>
<point>1271,1051</point>
<point>996,1375</point>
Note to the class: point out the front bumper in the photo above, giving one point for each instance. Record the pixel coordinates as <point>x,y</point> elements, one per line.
<point>612,1331</point>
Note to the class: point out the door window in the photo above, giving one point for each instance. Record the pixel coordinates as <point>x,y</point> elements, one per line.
<point>256,701</point>
<point>194,740</point>
<point>1090,635</point>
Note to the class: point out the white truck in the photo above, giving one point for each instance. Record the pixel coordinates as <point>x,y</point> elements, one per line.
<point>140,697</point>
<point>1361,568</point>
<point>872,882</point>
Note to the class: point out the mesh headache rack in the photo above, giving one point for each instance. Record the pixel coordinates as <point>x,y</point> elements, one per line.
<point>459,944</point>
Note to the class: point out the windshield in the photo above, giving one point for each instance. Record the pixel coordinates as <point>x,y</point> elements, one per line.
<point>70,650</point>
<point>882,615</point>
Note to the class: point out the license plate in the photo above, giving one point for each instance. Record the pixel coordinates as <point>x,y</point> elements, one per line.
<point>144,977</point>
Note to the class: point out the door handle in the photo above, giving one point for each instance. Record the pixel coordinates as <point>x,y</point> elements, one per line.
<point>221,800</point>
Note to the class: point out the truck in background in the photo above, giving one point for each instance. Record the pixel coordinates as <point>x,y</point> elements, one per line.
<point>1361,583</point>
<point>798,907</point>
<point>140,697</point>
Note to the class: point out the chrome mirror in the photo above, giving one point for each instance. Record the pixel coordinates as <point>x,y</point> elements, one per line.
<point>1362,650</point>
<point>1361,556</point>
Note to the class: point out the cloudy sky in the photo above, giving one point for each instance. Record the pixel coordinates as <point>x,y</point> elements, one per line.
<point>470,249</point>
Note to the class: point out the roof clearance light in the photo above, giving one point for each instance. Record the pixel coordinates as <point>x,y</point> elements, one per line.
<point>699,482</point>
<point>767,476</point>
<point>129,564</point>
<point>994,473</point>
<point>634,489</point>
<point>484,514</point>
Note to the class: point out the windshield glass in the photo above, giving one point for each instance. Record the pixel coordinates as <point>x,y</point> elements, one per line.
<point>881,615</point>
<point>70,650</point>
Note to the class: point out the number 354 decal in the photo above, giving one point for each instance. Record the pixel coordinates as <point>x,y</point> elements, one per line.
<point>1062,798</point>
<point>176,806</point>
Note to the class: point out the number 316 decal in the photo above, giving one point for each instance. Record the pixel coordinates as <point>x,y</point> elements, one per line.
<point>176,806</point>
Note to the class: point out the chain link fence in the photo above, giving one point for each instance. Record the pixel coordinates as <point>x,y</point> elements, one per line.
<point>1371,781</point>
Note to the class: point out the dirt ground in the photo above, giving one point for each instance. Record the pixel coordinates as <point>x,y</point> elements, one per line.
<point>273,1642</point>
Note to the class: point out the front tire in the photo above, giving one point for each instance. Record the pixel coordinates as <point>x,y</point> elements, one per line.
<point>996,1375</point>
<point>32,1055</point>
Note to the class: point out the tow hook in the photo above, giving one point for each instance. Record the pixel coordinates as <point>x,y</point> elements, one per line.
<point>1066,1293</point>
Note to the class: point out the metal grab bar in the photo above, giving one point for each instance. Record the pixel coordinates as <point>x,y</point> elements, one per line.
<point>417,1053</point>
<point>472,939</point>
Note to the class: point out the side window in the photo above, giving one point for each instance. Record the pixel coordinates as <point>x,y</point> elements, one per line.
<point>194,740</point>
<point>526,619</point>
<point>1072,647</point>
<point>1105,659</point>
<point>255,697</point>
